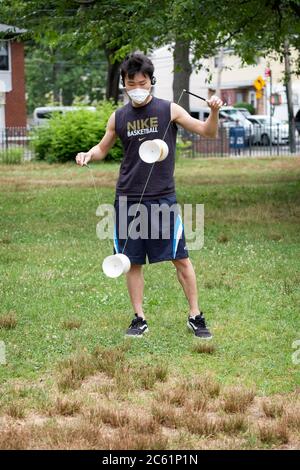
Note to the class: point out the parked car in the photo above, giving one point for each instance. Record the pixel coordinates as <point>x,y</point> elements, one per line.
<point>42,114</point>
<point>231,117</point>
<point>244,111</point>
<point>263,131</point>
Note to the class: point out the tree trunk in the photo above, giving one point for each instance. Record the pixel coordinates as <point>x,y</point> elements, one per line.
<point>113,77</point>
<point>55,72</point>
<point>67,96</point>
<point>289,97</point>
<point>182,73</point>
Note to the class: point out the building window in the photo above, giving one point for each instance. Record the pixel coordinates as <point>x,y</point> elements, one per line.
<point>4,56</point>
<point>239,97</point>
<point>252,98</point>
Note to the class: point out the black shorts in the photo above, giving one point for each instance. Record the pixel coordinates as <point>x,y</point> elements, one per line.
<point>151,234</point>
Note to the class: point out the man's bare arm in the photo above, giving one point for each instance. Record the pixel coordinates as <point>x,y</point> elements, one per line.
<point>99,151</point>
<point>208,128</point>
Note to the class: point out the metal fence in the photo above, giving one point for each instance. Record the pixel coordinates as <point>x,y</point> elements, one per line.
<point>231,141</point>
<point>15,143</point>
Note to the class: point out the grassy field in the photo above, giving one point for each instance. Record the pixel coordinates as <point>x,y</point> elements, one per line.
<point>56,306</point>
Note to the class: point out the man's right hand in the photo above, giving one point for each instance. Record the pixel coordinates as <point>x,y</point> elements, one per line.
<point>82,158</point>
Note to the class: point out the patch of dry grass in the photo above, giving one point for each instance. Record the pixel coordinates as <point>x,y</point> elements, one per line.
<point>64,407</point>
<point>74,370</point>
<point>222,238</point>
<point>197,403</point>
<point>124,380</point>
<point>273,433</point>
<point>204,348</point>
<point>6,240</point>
<point>272,409</point>
<point>177,395</point>
<point>176,409</point>
<point>149,375</point>
<point>165,415</point>
<point>15,410</point>
<point>71,324</point>
<point>109,360</point>
<point>110,416</point>
<point>233,424</point>
<point>292,418</point>
<point>8,321</point>
<point>192,407</point>
<point>200,424</point>
<point>207,385</point>
<point>140,441</point>
<point>14,438</point>
<point>144,425</point>
<point>237,399</point>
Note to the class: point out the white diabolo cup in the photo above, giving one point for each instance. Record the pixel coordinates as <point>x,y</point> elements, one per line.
<point>152,151</point>
<point>115,265</point>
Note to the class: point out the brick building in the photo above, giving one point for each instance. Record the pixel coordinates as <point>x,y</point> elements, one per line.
<point>12,78</point>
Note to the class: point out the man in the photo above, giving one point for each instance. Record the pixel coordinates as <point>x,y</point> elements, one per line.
<point>148,117</point>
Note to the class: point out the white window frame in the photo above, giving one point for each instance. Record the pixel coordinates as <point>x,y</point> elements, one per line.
<point>252,93</point>
<point>9,55</point>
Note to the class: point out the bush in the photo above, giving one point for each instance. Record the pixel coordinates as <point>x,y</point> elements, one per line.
<point>248,106</point>
<point>183,148</point>
<point>67,134</point>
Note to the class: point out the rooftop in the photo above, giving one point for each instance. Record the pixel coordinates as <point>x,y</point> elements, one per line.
<point>10,30</point>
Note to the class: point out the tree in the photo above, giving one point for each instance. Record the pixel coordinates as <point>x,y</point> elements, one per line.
<point>53,76</point>
<point>66,26</point>
<point>250,27</point>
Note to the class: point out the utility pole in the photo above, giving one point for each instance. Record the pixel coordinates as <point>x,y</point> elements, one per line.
<point>219,71</point>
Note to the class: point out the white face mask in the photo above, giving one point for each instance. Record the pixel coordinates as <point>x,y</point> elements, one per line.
<point>138,95</point>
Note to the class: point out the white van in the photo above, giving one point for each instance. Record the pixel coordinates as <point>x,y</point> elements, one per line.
<point>42,114</point>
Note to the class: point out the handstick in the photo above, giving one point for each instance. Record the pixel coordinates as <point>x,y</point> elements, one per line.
<point>197,96</point>
<point>200,97</point>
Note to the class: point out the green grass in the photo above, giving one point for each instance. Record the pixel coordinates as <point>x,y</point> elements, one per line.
<point>248,271</point>
<point>11,156</point>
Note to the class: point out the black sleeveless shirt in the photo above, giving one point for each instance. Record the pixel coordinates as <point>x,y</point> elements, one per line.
<point>134,126</point>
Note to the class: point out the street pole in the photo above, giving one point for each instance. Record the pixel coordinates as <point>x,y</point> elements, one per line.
<point>271,137</point>
<point>219,72</point>
<point>289,96</point>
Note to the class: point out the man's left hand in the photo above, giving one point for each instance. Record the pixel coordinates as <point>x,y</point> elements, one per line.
<point>215,103</point>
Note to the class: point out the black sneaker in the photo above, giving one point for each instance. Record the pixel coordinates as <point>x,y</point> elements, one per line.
<point>137,327</point>
<point>198,326</point>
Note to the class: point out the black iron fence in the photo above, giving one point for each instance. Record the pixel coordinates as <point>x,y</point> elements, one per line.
<point>15,145</point>
<point>237,140</point>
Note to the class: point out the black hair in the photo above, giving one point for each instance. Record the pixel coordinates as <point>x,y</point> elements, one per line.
<point>135,63</point>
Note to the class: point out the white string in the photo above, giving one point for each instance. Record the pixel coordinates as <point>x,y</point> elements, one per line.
<point>97,195</point>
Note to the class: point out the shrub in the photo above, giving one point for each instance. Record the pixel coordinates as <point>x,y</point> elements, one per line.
<point>67,134</point>
<point>183,148</point>
<point>248,106</point>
